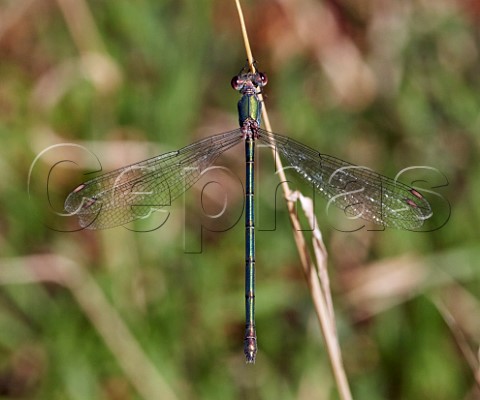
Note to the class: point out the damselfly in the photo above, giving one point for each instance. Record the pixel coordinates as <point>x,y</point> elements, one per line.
<point>133,192</point>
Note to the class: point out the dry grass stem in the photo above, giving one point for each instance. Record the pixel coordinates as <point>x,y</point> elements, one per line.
<point>458,334</point>
<point>315,274</point>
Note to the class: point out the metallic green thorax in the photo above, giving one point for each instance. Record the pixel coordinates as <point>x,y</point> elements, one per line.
<point>249,106</point>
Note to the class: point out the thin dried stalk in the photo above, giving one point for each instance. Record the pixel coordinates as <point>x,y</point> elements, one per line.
<point>315,274</point>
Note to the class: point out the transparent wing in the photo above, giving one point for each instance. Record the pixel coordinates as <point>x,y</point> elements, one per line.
<point>134,191</point>
<point>359,191</point>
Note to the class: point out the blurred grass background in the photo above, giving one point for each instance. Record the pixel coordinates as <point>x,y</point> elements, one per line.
<point>122,315</point>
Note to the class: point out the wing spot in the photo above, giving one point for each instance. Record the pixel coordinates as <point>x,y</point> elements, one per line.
<point>88,202</point>
<point>77,189</point>
<point>411,203</point>
<point>416,194</point>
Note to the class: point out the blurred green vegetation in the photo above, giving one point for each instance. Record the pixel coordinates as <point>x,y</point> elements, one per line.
<point>388,87</point>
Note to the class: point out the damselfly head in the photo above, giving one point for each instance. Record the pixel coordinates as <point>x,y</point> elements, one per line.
<point>249,79</point>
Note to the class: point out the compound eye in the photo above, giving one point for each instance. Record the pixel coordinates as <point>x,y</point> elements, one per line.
<point>262,79</point>
<point>237,82</point>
